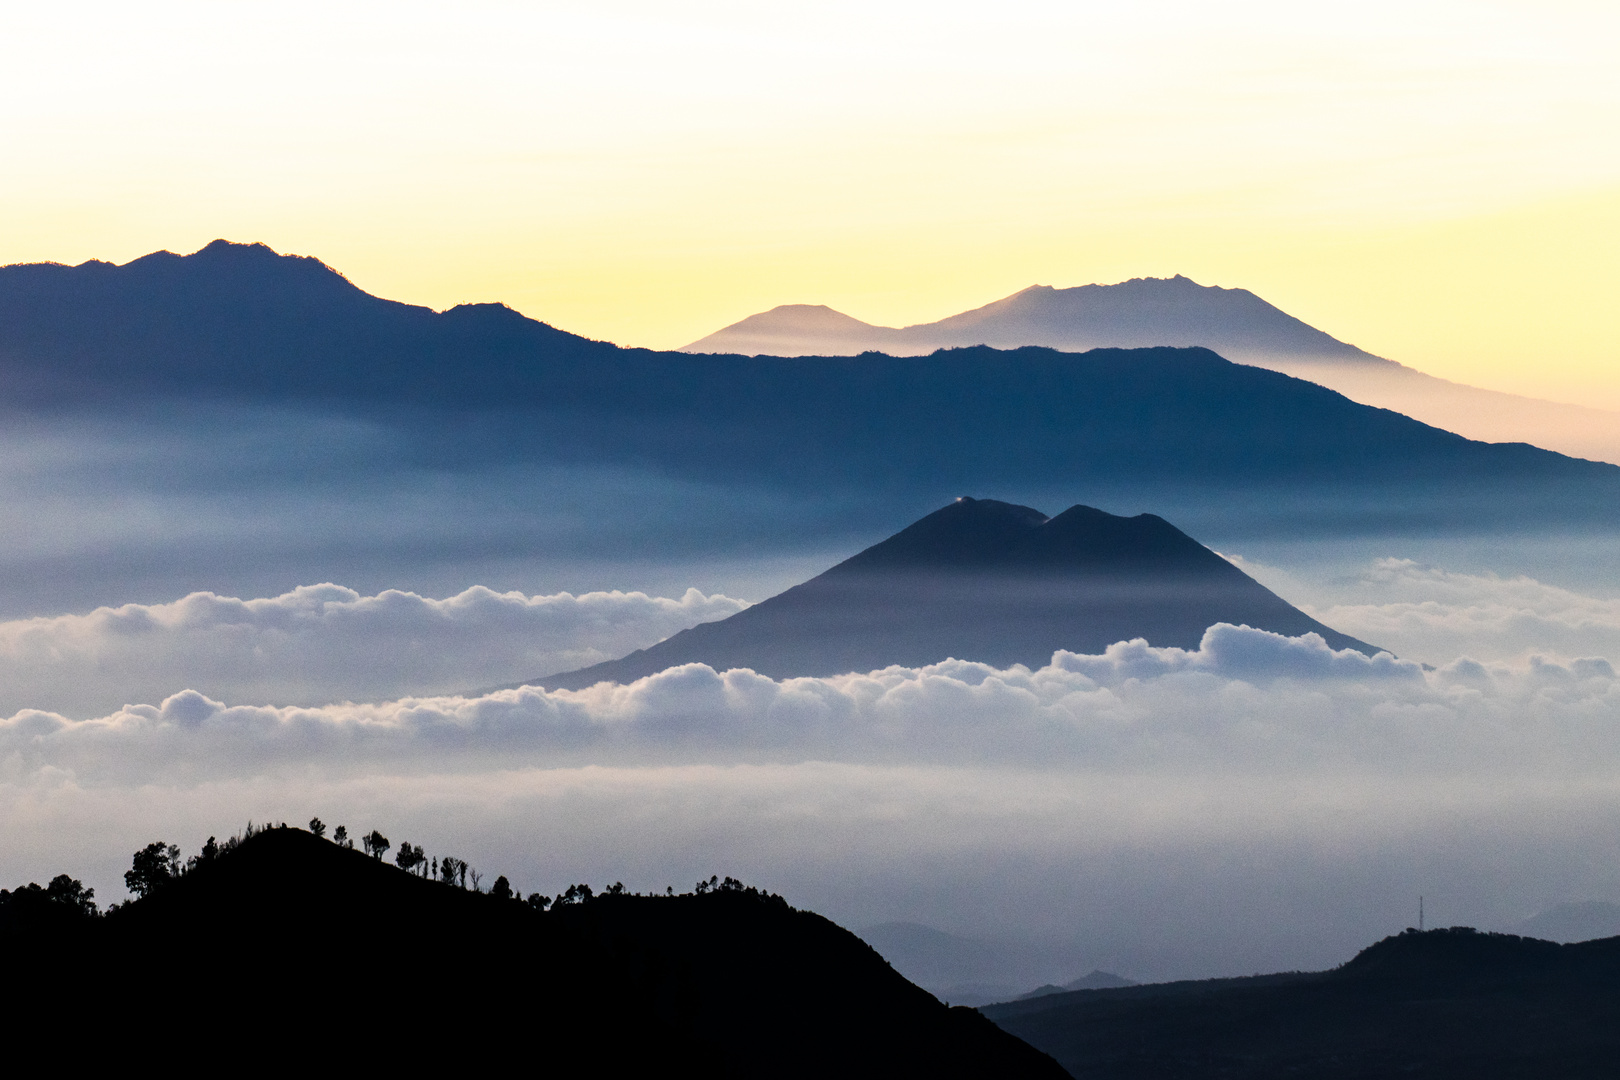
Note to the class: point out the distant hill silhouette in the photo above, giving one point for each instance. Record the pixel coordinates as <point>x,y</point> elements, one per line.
<point>291,949</point>
<point>481,386</point>
<point>960,970</point>
<point>1095,980</point>
<point>988,581</point>
<point>1583,921</point>
<point>1447,1004</point>
<point>975,971</point>
<point>1146,312</point>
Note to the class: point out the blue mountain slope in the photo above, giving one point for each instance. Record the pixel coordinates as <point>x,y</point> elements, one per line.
<point>983,580</point>
<point>481,384</point>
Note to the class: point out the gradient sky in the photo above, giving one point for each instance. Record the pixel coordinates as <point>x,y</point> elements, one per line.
<point>1437,182</point>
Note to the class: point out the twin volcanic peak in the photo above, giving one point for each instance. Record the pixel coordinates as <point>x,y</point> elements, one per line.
<point>1140,312</point>
<point>988,581</point>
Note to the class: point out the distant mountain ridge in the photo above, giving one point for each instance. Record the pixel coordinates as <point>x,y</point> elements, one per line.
<point>1139,313</point>
<point>1451,1004</point>
<point>1176,311</point>
<point>483,387</point>
<point>975,971</point>
<point>987,581</point>
<point>240,320</point>
<point>1095,980</point>
<point>1582,921</point>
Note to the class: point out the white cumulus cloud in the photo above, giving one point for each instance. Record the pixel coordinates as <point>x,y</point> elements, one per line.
<point>1247,700</point>
<point>1261,802</point>
<point>323,643</point>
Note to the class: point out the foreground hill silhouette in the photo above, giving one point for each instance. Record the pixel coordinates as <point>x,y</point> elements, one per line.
<point>1446,1004</point>
<point>1178,311</point>
<point>294,949</point>
<point>480,385</point>
<point>988,581</point>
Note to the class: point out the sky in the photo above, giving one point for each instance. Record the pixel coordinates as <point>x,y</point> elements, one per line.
<point>1436,182</point>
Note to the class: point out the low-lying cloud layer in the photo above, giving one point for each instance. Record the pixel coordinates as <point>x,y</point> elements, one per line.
<point>325,643</point>
<point>1261,802</point>
<point>1439,614</point>
<point>1429,613</point>
<point>1247,701</point>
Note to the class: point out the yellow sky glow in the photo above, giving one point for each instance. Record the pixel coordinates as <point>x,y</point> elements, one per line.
<point>1437,182</point>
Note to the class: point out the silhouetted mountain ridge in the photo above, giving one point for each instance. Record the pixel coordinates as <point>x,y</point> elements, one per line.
<point>397,967</point>
<point>1449,1004</point>
<point>988,581</point>
<point>238,318</point>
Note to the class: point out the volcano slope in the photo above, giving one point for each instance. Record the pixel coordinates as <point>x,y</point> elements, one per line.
<point>289,948</point>
<point>989,581</point>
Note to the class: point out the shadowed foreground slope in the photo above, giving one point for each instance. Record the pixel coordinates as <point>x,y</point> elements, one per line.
<point>292,947</point>
<point>1447,1004</point>
<point>987,581</point>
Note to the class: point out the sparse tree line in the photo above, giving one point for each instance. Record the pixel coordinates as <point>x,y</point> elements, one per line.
<point>159,864</point>
<point>64,895</point>
<point>445,869</point>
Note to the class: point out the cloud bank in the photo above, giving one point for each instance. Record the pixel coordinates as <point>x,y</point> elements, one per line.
<point>1247,700</point>
<point>1433,614</point>
<point>1260,802</point>
<point>1438,614</point>
<point>323,643</point>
